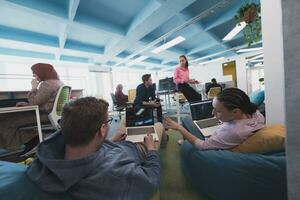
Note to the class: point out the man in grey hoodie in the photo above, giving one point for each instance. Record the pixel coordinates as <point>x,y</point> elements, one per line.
<point>81,163</point>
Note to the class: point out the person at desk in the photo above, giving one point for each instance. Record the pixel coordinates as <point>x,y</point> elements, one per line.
<point>81,163</point>
<point>145,96</point>
<point>182,80</point>
<point>213,84</point>
<point>121,98</point>
<point>45,85</point>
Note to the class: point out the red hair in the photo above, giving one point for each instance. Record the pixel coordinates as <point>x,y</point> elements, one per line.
<point>44,71</point>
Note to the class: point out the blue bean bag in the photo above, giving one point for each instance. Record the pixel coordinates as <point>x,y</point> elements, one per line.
<point>14,184</point>
<point>222,174</point>
<point>257,97</point>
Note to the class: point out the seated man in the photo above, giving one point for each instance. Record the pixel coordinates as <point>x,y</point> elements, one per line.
<point>145,96</point>
<point>121,98</point>
<point>213,84</point>
<point>80,162</point>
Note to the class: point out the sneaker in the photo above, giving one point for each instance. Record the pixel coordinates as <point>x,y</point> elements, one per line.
<point>180,141</point>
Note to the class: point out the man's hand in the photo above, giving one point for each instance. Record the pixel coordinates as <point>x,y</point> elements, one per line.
<point>149,142</point>
<point>120,135</point>
<point>156,104</point>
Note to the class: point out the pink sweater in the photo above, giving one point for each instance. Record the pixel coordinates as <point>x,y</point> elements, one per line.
<point>231,134</point>
<point>181,75</point>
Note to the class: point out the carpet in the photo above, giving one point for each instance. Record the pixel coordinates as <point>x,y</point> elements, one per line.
<point>173,183</point>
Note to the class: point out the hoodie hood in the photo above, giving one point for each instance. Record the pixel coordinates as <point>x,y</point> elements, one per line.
<point>52,173</point>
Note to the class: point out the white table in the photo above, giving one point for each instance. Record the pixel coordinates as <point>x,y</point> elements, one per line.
<point>26,108</point>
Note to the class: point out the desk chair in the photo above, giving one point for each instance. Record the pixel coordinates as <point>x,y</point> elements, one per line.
<point>116,107</point>
<point>131,95</point>
<point>214,91</point>
<point>62,96</point>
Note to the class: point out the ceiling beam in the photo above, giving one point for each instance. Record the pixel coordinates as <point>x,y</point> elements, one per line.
<point>193,20</point>
<point>143,24</point>
<point>103,30</point>
<point>73,6</point>
<point>212,37</point>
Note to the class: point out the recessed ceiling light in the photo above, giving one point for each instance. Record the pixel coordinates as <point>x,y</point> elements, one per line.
<point>240,26</point>
<point>137,60</point>
<point>249,49</point>
<point>168,44</point>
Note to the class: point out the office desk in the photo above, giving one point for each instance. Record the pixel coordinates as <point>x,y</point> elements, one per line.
<point>26,108</point>
<point>23,94</point>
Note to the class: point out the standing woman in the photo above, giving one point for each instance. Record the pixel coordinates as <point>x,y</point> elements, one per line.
<point>182,80</point>
<point>45,85</point>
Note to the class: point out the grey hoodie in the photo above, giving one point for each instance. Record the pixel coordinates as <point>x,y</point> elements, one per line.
<point>115,171</point>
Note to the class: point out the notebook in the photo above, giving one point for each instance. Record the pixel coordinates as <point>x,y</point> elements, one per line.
<point>139,123</point>
<point>203,118</point>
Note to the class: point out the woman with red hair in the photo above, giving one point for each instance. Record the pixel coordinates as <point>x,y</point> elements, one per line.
<point>45,85</point>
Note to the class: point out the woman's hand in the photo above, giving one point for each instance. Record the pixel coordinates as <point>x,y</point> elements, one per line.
<point>193,81</point>
<point>34,83</point>
<point>21,104</point>
<point>172,124</point>
<point>120,135</point>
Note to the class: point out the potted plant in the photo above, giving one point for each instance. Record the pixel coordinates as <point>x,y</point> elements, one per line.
<point>250,13</point>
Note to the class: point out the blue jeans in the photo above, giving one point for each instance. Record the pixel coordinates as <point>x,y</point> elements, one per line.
<point>189,125</point>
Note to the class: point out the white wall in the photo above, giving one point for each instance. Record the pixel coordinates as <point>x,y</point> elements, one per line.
<point>205,73</point>
<point>273,61</point>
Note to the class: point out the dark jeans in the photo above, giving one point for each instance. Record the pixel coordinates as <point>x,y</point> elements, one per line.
<point>189,125</point>
<point>190,94</point>
<point>150,109</point>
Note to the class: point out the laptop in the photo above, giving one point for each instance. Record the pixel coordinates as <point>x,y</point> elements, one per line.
<point>203,118</point>
<point>139,123</point>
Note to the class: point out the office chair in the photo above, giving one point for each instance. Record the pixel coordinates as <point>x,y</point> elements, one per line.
<point>62,96</point>
<point>214,91</point>
<point>131,95</point>
<point>116,107</point>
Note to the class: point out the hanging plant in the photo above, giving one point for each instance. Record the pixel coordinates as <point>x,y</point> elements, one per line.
<point>250,13</point>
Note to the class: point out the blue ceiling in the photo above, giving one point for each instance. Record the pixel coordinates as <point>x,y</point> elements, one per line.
<point>113,33</point>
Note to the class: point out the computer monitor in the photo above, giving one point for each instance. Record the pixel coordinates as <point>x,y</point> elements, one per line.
<point>167,84</point>
<point>201,110</point>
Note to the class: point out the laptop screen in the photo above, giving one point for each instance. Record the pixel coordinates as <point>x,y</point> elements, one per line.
<point>139,117</point>
<point>201,110</point>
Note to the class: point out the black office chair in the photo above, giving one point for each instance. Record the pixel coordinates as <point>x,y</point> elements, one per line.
<point>117,107</point>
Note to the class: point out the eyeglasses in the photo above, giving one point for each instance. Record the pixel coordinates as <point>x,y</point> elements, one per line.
<point>108,121</point>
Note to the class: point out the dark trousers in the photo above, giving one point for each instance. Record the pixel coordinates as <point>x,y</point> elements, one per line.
<point>150,109</point>
<point>190,94</point>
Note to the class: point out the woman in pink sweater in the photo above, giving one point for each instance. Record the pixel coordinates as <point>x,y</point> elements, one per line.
<point>240,119</point>
<point>182,80</point>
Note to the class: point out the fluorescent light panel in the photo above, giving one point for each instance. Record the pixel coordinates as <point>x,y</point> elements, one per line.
<point>255,61</point>
<point>213,60</point>
<point>168,45</point>
<point>240,26</point>
<point>137,60</point>
<point>255,57</point>
<point>249,49</point>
